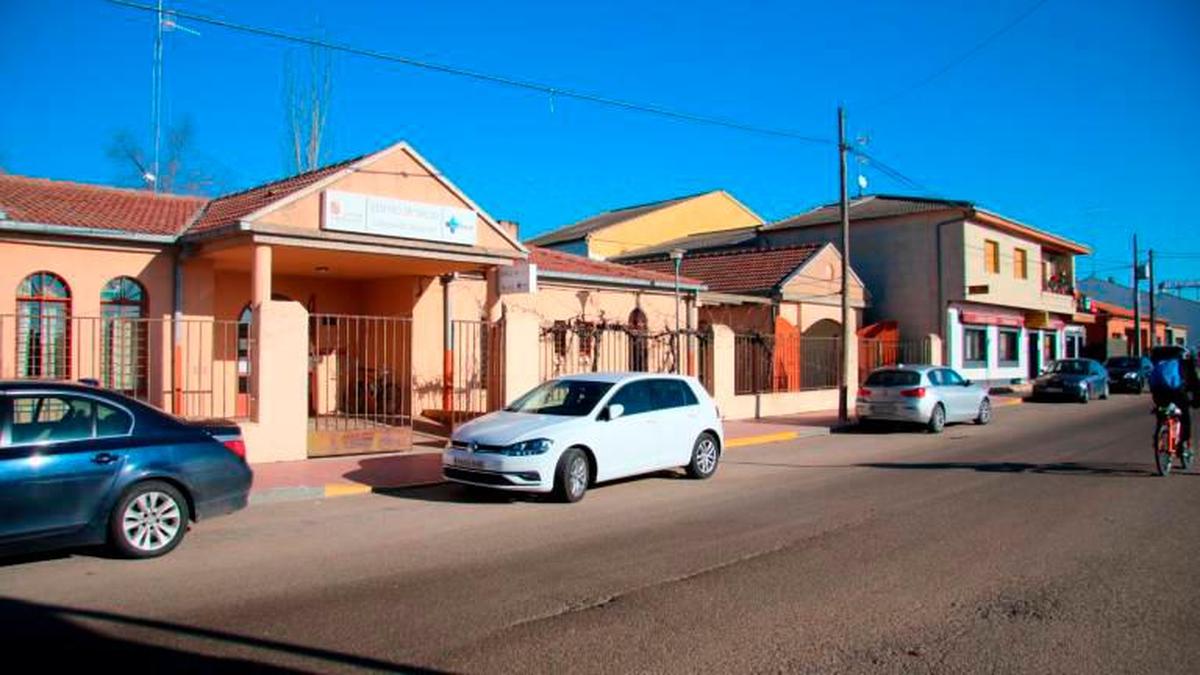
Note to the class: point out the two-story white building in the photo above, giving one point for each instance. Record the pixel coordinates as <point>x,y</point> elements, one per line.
<point>999,293</point>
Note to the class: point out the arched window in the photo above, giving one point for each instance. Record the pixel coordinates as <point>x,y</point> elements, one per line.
<point>123,313</point>
<point>43,326</point>
<point>639,341</point>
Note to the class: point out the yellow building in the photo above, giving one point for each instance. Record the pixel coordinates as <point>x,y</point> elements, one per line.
<point>626,230</point>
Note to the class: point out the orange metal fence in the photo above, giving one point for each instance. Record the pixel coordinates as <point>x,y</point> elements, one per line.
<point>194,367</point>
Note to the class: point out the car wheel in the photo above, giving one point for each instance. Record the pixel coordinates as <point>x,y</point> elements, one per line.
<point>985,411</point>
<point>149,520</point>
<point>1104,392</point>
<point>937,420</point>
<point>705,456</point>
<point>1086,394</point>
<point>572,476</point>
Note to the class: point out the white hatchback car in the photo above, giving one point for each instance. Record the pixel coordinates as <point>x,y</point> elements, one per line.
<point>569,433</point>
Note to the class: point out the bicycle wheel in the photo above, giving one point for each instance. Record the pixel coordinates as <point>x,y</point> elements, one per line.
<point>1162,451</point>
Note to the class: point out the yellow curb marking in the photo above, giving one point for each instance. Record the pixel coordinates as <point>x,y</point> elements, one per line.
<point>761,438</point>
<point>1007,401</point>
<point>343,489</point>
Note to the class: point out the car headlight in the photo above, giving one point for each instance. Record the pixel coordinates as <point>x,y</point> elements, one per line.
<point>537,446</point>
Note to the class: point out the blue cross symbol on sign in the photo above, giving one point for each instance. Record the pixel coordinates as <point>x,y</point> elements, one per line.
<point>452,224</point>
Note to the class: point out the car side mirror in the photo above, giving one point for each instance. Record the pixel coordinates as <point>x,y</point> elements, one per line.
<point>614,411</point>
<point>967,383</point>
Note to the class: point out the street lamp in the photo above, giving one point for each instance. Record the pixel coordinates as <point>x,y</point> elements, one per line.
<point>677,258</point>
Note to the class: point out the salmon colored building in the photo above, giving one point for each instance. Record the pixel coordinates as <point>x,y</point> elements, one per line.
<point>1113,332</point>
<point>338,311</point>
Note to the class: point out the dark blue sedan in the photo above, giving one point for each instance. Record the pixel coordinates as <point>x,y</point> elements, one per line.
<point>82,466</point>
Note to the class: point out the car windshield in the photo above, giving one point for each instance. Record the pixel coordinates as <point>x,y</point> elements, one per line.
<point>893,378</point>
<point>573,398</point>
<point>1069,367</point>
<point>1123,362</point>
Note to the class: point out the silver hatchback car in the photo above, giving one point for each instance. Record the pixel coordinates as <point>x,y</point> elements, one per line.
<point>928,395</point>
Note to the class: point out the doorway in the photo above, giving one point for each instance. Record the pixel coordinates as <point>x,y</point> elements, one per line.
<point>1033,354</point>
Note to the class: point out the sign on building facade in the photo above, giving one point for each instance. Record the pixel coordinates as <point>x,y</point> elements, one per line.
<point>520,277</point>
<point>389,217</point>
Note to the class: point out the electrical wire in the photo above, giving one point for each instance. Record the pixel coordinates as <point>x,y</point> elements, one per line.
<point>950,65</point>
<point>528,85</point>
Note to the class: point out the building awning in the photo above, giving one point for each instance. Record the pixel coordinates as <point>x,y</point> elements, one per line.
<point>1043,319</point>
<point>992,318</point>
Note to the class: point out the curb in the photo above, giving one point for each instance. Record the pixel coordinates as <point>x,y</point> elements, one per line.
<point>1006,401</point>
<point>334,490</point>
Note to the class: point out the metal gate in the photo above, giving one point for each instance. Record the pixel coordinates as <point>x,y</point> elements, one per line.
<point>478,370</point>
<point>360,390</point>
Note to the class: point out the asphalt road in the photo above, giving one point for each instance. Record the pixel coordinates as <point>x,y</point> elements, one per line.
<point>1041,543</point>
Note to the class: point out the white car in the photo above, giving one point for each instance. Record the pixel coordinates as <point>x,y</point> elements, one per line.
<point>570,433</point>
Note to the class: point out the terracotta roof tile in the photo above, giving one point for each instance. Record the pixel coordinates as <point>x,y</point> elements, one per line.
<point>550,260</point>
<point>229,209</point>
<point>55,202</point>
<point>746,270</point>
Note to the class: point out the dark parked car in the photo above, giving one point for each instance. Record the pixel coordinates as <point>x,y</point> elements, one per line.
<point>1128,373</point>
<point>82,466</point>
<point>1074,379</point>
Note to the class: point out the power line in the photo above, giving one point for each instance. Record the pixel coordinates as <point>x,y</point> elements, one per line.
<point>893,172</point>
<point>960,58</point>
<point>528,85</point>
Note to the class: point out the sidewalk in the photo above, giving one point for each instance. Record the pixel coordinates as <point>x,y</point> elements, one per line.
<point>341,476</point>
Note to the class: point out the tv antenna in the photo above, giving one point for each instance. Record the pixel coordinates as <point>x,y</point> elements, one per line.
<point>165,23</point>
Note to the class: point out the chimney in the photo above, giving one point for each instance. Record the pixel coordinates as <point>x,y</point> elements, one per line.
<point>511,227</point>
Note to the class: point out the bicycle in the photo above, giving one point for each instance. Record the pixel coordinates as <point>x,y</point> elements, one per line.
<point>1167,441</point>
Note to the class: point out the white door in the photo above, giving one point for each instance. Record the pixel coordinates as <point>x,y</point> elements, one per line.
<point>630,442</point>
<point>678,418</point>
<point>961,399</point>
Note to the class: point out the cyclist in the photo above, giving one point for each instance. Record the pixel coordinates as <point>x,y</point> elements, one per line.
<point>1171,381</point>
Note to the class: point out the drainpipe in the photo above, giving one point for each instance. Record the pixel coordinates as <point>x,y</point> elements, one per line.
<point>177,334</point>
<point>447,350</point>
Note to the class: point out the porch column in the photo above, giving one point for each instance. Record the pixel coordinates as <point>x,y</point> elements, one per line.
<point>260,275</point>
<point>447,349</point>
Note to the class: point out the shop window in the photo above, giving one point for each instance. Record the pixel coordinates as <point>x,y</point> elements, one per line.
<point>1008,347</point>
<point>43,326</point>
<point>1020,263</point>
<point>991,256</point>
<point>975,347</point>
<point>124,332</point>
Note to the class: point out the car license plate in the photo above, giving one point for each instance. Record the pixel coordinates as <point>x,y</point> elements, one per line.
<point>1054,390</point>
<point>468,462</point>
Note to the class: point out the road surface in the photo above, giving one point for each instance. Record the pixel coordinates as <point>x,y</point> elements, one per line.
<point>1040,543</point>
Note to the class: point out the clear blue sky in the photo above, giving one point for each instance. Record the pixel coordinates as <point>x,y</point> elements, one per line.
<point>1081,119</point>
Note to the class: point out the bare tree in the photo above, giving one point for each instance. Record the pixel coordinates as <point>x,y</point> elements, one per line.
<point>306,96</point>
<point>179,171</point>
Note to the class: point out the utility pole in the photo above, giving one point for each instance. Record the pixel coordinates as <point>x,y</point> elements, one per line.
<point>1153,314</point>
<point>1137,310</point>
<point>847,333</point>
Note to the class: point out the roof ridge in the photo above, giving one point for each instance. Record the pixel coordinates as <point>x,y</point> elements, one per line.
<point>735,250</point>
<point>326,167</point>
<point>137,192</point>
<point>658,201</point>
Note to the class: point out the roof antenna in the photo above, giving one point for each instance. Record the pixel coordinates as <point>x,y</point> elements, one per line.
<point>164,22</point>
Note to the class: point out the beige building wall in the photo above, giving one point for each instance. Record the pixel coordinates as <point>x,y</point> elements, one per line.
<point>1005,287</point>
<point>897,261</point>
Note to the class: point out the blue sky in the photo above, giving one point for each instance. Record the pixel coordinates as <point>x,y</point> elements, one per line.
<point>1080,120</point>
